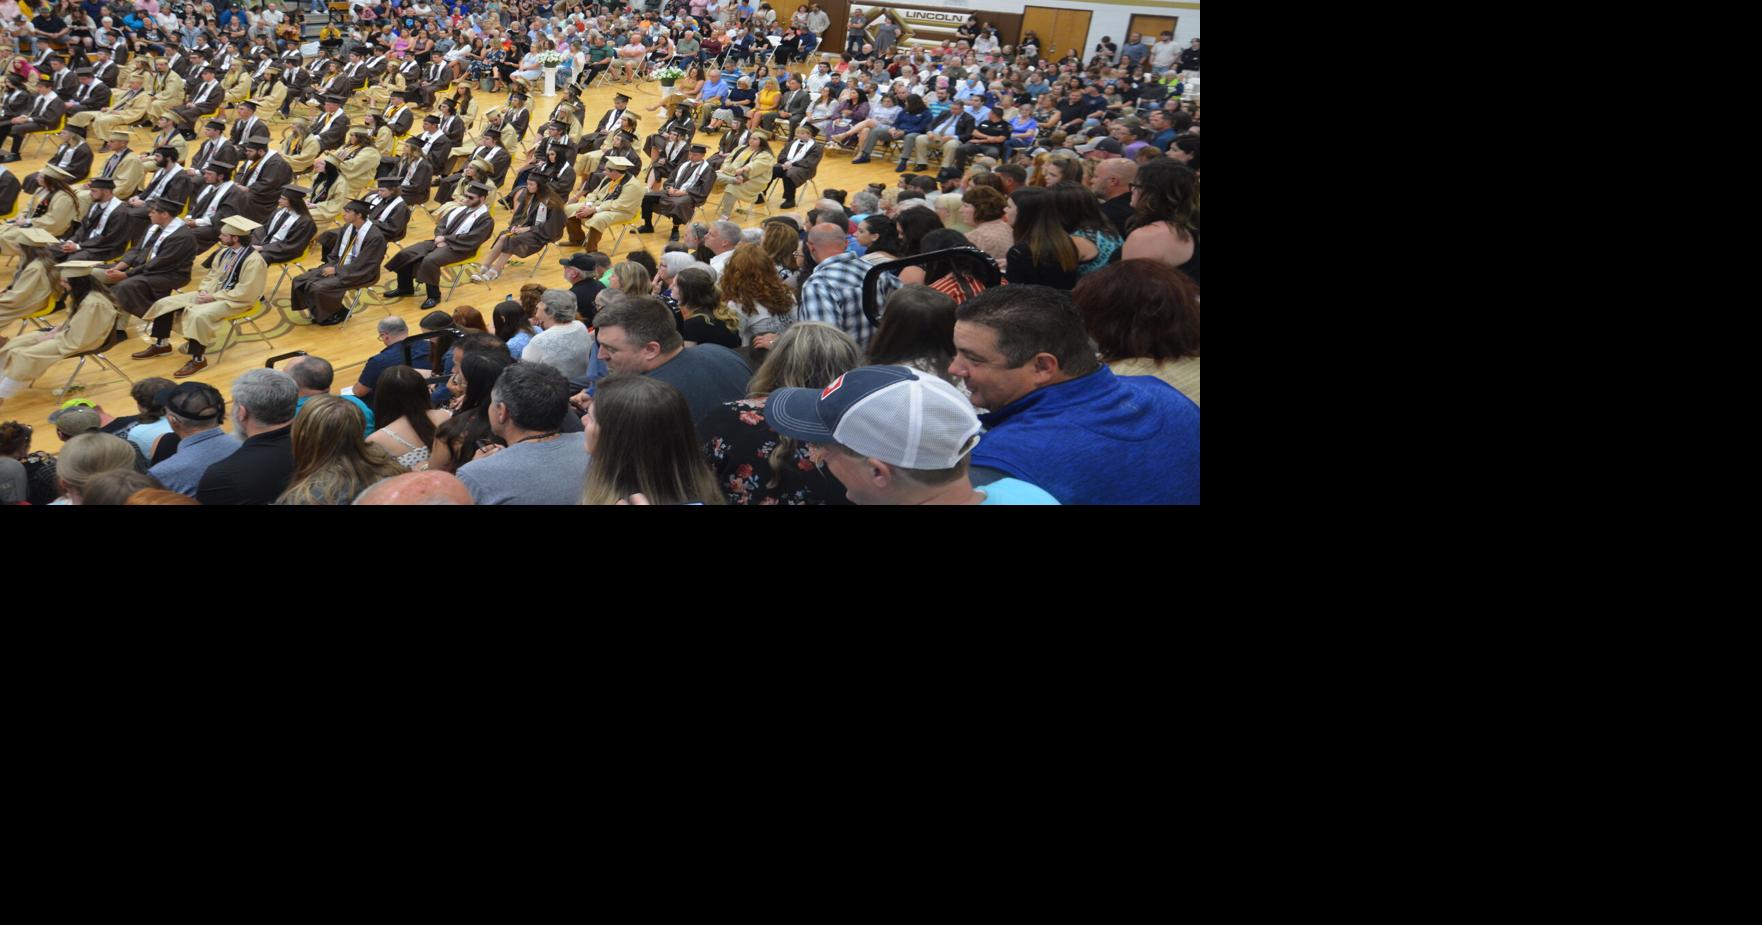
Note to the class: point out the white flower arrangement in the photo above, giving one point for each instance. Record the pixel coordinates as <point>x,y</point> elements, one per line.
<point>550,59</point>
<point>669,73</point>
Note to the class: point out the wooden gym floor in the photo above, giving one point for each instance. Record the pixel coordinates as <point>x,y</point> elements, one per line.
<point>348,346</point>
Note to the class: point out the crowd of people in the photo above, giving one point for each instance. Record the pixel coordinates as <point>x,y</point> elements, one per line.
<point>1013,319</point>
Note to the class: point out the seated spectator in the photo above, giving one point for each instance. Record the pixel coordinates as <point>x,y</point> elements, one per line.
<point>755,466</point>
<point>392,334</point>
<point>417,488</point>
<point>638,338</point>
<point>458,441</point>
<point>87,456</point>
<point>196,412</point>
<point>150,425</point>
<point>950,276</point>
<point>1165,217</point>
<point>401,402</point>
<point>917,330</point>
<point>332,462</point>
<point>155,497</point>
<point>1061,420</point>
<point>643,443</point>
<point>314,377</point>
<point>1144,316</point>
<point>114,488</point>
<point>260,469</point>
<point>893,435</point>
<point>706,320</point>
<point>538,465</point>
<point>513,327</point>
<point>563,342</point>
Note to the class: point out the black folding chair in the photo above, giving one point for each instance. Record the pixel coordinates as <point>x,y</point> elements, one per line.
<point>978,263</point>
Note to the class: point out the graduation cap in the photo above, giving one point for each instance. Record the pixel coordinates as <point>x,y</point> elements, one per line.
<point>257,141</point>
<point>699,149</point>
<point>216,124</point>
<point>57,173</point>
<point>240,225</point>
<point>221,167</point>
<point>74,269</point>
<point>248,104</point>
<point>79,130</point>
<point>336,98</point>
<point>619,163</point>
<point>295,193</point>
<point>168,151</point>
<point>177,118</point>
<point>358,206</point>
<point>516,96</point>
<point>121,135</point>
<point>389,178</point>
<point>82,71</point>
<point>40,236</point>
<point>480,189</point>
<point>620,98</point>
<point>102,183</point>
<point>398,95</point>
<point>431,118</point>
<point>165,205</point>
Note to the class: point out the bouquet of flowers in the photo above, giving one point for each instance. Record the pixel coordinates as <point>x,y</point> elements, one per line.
<point>550,59</point>
<point>669,73</point>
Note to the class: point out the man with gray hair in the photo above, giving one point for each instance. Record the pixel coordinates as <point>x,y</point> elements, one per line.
<point>314,376</point>
<point>563,343</point>
<point>392,333</point>
<point>540,465</point>
<point>723,237</point>
<point>263,402</point>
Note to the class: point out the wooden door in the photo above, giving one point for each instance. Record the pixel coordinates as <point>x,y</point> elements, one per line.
<point>1059,30</point>
<point>1150,27</point>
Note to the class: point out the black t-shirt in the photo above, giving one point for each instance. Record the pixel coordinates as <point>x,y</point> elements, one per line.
<point>993,126</point>
<point>709,331</point>
<point>48,23</point>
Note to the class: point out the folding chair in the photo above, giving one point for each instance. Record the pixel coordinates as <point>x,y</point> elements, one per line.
<point>458,272</point>
<point>117,336</point>
<point>231,334</point>
<point>59,124</point>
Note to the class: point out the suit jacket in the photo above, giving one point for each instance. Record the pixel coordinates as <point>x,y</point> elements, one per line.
<point>265,180</point>
<point>804,168</point>
<point>400,123</point>
<point>176,257</point>
<point>963,126</point>
<point>471,240</point>
<point>390,216</point>
<point>97,98</point>
<point>332,135</point>
<point>292,245</point>
<point>112,240</point>
<point>76,160</point>
<point>796,104</point>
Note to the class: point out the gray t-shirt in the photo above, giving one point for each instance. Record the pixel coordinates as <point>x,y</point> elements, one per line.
<point>15,484</point>
<point>709,375</point>
<point>539,472</point>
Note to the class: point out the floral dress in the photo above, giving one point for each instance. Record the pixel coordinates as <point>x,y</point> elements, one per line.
<point>740,448</point>
<point>1105,245</point>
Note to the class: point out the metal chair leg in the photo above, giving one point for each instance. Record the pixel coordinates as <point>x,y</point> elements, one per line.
<point>538,261</point>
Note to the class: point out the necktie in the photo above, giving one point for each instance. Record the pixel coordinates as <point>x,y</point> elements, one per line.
<point>110,165</point>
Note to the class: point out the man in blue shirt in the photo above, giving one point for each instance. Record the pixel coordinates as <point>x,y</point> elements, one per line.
<point>195,411</point>
<point>392,332</point>
<point>1061,420</point>
<point>314,376</point>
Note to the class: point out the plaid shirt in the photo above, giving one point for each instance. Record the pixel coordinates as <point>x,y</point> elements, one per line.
<point>833,293</point>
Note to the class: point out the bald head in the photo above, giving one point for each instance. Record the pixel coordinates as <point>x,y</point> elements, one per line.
<point>1114,176</point>
<point>826,241</point>
<point>416,488</point>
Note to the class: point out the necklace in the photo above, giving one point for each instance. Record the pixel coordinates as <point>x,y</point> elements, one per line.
<point>538,436</point>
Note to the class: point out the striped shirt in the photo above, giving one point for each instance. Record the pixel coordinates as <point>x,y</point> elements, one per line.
<point>833,293</point>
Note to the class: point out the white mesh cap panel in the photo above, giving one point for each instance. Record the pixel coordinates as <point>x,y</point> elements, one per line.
<point>922,423</point>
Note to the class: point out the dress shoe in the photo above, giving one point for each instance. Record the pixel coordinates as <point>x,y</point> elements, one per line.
<point>156,350</point>
<point>337,318</point>
<point>646,229</point>
<point>194,366</point>
<point>397,293</point>
<point>900,168</point>
<point>430,302</point>
<point>787,204</point>
<point>860,160</point>
<point>674,236</point>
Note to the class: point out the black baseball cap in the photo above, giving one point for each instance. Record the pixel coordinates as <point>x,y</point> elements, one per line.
<point>580,262</point>
<point>193,401</point>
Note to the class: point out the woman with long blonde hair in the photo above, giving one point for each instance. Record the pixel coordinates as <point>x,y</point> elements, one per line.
<point>332,461</point>
<point>631,278</point>
<point>782,242</point>
<point>299,145</point>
